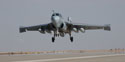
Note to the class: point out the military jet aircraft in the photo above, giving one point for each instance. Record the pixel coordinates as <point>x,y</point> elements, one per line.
<point>59,27</point>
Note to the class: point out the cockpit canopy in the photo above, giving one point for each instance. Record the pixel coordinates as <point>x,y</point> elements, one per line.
<point>57,14</point>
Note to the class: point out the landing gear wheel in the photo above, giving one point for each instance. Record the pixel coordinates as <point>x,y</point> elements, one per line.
<point>71,38</point>
<point>53,39</point>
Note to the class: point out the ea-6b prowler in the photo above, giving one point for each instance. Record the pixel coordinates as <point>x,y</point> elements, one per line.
<point>59,27</point>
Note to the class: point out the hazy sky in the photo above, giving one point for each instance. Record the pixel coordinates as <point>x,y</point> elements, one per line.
<point>16,13</point>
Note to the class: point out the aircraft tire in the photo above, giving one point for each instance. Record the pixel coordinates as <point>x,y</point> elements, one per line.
<point>53,39</point>
<point>71,39</point>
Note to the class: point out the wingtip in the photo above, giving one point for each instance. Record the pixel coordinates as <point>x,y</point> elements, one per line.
<point>22,29</point>
<point>107,27</point>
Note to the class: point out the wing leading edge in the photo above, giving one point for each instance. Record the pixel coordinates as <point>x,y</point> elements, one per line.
<point>42,27</point>
<point>90,27</point>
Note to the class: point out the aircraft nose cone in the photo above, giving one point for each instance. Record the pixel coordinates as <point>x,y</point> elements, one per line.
<point>56,21</point>
<point>56,18</point>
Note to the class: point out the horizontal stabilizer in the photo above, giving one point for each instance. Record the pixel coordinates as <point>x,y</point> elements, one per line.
<point>22,29</point>
<point>107,27</point>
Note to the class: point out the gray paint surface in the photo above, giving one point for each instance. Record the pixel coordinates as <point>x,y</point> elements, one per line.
<point>16,13</point>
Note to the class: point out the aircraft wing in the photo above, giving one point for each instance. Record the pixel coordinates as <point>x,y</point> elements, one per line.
<point>89,27</point>
<point>41,28</point>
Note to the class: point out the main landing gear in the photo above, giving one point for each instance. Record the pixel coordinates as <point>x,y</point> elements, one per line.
<point>55,35</point>
<point>53,39</point>
<point>71,39</point>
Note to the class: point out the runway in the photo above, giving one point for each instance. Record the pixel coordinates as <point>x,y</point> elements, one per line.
<point>86,57</point>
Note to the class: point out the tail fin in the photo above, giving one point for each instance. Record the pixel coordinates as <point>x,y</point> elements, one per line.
<point>22,29</point>
<point>107,27</point>
<point>53,11</point>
